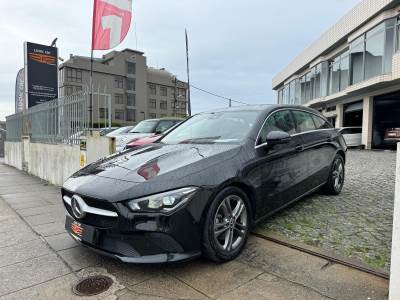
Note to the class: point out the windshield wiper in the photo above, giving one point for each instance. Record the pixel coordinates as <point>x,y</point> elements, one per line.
<point>202,140</point>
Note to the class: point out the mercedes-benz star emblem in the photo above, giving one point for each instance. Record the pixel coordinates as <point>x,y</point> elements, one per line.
<point>77,205</point>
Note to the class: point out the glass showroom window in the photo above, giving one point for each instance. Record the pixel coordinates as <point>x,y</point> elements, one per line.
<point>334,75</point>
<point>389,45</point>
<point>292,92</point>
<point>297,99</point>
<point>303,89</point>
<point>307,87</point>
<point>357,60</point>
<point>279,97</point>
<point>374,49</point>
<point>316,82</point>
<point>286,94</point>
<point>344,70</point>
<point>398,34</point>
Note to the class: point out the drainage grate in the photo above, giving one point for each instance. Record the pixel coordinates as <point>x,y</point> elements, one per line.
<point>92,285</point>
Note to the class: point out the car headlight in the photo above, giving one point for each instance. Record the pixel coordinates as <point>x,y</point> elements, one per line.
<point>163,202</point>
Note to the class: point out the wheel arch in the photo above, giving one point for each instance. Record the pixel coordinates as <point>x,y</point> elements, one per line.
<point>249,192</point>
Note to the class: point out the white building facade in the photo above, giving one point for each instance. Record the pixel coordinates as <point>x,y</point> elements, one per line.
<point>352,73</point>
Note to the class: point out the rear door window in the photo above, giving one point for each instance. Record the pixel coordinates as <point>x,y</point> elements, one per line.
<point>304,121</point>
<point>321,123</point>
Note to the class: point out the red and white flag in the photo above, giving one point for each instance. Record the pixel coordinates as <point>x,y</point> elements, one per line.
<point>111,22</point>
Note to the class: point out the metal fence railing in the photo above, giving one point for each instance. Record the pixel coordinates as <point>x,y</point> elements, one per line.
<point>61,120</point>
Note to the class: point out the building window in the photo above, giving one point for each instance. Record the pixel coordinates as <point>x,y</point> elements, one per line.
<point>280,97</point>
<point>153,104</point>
<point>334,75</point>
<point>163,91</point>
<point>131,68</point>
<point>103,113</point>
<point>74,75</point>
<point>119,99</point>
<point>69,90</point>
<point>119,82</point>
<point>173,92</point>
<point>119,115</point>
<point>130,84</point>
<point>163,104</point>
<point>131,99</point>
<point>357,60</point>
<point>398,34</point>
<point>131,115</point>
<point>389,45</point>
<point>152,89</point>
<point>152,115</point>
<point>316,82</point>
<point>182,93</point>
<point>344,70</point>
<point>374,50</point>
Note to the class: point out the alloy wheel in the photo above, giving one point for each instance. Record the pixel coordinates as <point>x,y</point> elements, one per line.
<point>338,174</point>
<point>230,223</point>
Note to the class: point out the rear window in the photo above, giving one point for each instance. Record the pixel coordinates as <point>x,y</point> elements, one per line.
<point>321,123</point>
<point>304,121</point>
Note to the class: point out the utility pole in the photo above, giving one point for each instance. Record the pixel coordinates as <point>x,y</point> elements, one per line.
<point>230,102</point>
<point>187,70</point>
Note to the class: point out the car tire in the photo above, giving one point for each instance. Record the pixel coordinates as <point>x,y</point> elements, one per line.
<point>335,181</point>
<point>225,231</point>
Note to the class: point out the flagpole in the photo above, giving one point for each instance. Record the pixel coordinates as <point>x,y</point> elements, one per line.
<point>187,70</point>
<point>91,70</point>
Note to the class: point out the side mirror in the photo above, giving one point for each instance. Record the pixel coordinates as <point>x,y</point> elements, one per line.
<point>276,138</point>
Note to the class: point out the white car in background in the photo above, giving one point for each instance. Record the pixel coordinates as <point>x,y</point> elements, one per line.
<point>352,136</point>
<point>119,131</point>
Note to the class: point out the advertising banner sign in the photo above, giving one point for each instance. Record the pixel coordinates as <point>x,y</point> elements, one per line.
<point>20,91</point>
<point>41,73</point>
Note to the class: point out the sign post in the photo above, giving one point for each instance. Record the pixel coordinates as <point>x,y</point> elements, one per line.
<point>41,73</point>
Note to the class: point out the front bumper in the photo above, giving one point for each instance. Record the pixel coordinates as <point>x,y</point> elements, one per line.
<point>141,238</point>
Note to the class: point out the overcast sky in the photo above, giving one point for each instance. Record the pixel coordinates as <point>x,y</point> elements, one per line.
<point>236,46</point>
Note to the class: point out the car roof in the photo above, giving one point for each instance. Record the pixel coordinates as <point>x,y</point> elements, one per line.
<point>262,108</point>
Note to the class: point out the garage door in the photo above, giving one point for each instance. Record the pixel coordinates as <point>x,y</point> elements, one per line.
<point>386,123</point>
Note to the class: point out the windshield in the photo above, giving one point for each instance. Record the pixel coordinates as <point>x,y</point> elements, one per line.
<point>209,128</point>
<point>120,130</point>
<point>144,127</point>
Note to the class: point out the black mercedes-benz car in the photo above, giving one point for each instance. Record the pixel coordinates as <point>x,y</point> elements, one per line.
<point>201,188</point>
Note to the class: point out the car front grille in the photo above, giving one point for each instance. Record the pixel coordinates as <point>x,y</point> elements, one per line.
<point>94,219</point>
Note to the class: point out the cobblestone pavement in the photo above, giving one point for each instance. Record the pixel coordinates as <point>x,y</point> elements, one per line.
<point>355,224</point>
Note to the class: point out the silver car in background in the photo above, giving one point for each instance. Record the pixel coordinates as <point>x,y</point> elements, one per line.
<point>352,136</point>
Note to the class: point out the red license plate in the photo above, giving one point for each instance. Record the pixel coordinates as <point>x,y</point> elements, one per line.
<point>77,228</point>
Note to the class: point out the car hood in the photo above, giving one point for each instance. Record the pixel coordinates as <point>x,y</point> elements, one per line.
<point>155,160</point>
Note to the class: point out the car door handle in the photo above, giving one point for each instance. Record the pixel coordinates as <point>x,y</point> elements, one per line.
<point>299,148</point>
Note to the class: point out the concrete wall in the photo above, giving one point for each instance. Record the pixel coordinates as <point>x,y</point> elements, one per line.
<point>13,154</point>
<point>394,291</point>
<point>55,162</point>
<point>98,147</point>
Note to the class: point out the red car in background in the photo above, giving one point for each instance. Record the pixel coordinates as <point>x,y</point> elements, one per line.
<point>148,139</point>
<point>143,141</point>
